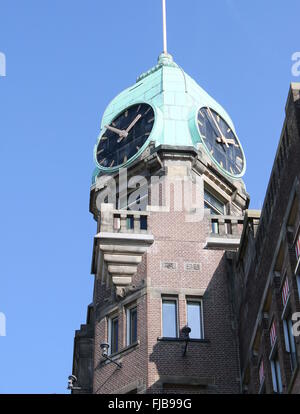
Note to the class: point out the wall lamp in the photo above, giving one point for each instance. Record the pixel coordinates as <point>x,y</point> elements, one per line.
<point>104,348</point>
<point>186,330</point>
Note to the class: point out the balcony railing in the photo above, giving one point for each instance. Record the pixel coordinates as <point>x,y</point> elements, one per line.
<point>225,233</point>
<point>226,225</point>
<point>123,221</point>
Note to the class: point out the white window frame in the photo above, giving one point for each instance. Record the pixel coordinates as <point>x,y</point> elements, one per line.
<point>128,324</point>
<point>200,302</point>
<point>170,299</point>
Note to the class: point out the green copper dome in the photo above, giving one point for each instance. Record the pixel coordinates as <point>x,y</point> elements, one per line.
<point>175,98</point>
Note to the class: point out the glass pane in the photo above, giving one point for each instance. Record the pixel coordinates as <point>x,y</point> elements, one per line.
<point>133,326</point>
<point>169,319</point>
<point>114,335</point>
<point>215,205</point>
<point>194,319</point>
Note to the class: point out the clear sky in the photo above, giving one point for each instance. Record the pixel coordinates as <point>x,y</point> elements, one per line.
<point>65,61</point>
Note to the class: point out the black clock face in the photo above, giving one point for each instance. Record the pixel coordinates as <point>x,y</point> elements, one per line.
<point>221,141</point>
<point>125,135</point>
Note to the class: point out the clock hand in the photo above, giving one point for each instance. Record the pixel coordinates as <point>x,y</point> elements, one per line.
<point>136,119</point>
<point>232,141</point>
<point>219,129</point>
<point>120,132</point>
<point>133,122</point>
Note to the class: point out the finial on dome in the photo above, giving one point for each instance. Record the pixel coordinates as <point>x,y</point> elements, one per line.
<point>165,59</point>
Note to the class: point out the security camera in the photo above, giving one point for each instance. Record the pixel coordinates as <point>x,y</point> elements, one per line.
<point>104,348</point>
<point>71,381</point>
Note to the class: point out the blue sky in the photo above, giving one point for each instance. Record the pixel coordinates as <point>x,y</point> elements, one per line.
<point>65,61</point>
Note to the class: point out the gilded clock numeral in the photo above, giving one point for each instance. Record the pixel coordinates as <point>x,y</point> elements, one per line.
<point>200,123</point>
<point>126,114</point>
<point>100,151</point>
<point>221,163</point>
<point>139,107</point>
<point>112,163</point>
<point>125,158</point>
<point>147,111</point>
<point>150,120</point>
<point>103,138</point>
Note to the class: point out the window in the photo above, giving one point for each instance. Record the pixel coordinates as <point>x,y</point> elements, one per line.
<point>276,375</point>
<point>131,325</point>
<point>285,292</point>
<point>290,342</point>
<point>273,334</point>
<point>169,318</point>
<point>113,334</point>
<point>195,319</point>
<point>215,206</point>
<point>297,247</point>
<point>261,374</point>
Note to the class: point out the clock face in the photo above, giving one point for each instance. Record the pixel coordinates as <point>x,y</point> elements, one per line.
<point>221,142</point>
<point>125,135</point>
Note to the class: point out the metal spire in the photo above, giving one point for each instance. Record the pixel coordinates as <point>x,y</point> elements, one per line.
<point>164,26</point>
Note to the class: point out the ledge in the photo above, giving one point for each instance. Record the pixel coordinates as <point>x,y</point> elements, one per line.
<point>191,381</point>
<point>123,352</point>
<point>222,243</point>
<point>164,339</point>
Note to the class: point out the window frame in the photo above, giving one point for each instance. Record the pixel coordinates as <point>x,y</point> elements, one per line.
<point>289,340</point>
<point>276,374</point>
<point>129,310</point>
<point>111,319</point>
<point>211,206</point>
<point>298,285</point>
<point>166,298</point>
<point>199,301</point>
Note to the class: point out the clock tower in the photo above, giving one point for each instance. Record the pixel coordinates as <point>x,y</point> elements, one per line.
<point>169,202</point>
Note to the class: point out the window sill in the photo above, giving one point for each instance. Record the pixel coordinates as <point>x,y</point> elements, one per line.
<point>165,339</point>
<point>117,355</point>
